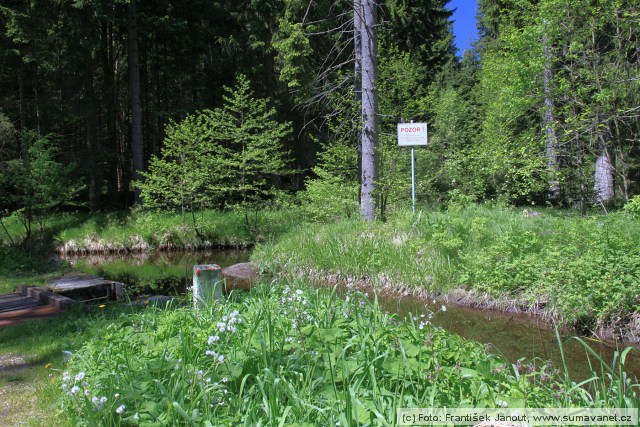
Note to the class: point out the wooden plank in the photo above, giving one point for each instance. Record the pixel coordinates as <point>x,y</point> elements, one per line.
<point>77,281</point>
<point>9,302</point>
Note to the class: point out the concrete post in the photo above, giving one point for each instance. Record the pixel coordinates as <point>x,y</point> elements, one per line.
<point>207,284</point>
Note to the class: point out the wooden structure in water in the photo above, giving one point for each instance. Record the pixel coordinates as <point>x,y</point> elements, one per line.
<point>31,302</point>
<point>87,288</point>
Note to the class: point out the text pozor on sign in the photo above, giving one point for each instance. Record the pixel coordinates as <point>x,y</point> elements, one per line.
<point>412,134</point>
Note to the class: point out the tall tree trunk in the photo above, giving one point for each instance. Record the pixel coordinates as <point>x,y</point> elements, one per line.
<point>111,109</point>
<point>603,185</point>
<point>21,102</point>
<point>91,131</point>
<point>136,108</point>
<point>357,40</point>
<point>549,121</point>
<point>357,50</point>
<point>369,133</point>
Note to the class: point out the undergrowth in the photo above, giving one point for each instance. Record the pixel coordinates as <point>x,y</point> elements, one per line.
<point>289,354</point>
<point>582,270</point>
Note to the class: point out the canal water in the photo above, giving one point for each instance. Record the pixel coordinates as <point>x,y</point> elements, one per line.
<point>513,335</point>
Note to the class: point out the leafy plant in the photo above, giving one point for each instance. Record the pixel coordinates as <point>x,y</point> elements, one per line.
<point>287,353</point>
<point>35,185</point>
<point>220,158</point>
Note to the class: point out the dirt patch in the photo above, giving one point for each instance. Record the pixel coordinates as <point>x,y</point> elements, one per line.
<point>19,405</point>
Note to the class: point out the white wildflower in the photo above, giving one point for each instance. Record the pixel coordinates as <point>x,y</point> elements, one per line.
<point>443,308</point>
<point>80,376</point>
<point>120,409</point>
<point>213,338</point>
<point>136,417</point>
<point>75,389</point>
<point>66,376</point>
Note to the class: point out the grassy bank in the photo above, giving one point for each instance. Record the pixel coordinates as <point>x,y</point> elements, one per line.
<point>139,231</point>
<point>580,270</point>
<point>288,354</point>
<point>32,359</point>
<point>18,267</point>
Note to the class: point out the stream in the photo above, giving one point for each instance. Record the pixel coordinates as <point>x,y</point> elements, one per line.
<point>512,335</point>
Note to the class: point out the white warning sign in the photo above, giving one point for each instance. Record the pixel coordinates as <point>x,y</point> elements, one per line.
<point>412,134</point>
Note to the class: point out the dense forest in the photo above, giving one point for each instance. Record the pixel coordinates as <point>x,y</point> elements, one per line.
<point>198,104</point>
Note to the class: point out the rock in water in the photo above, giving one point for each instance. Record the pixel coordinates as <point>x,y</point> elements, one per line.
<point>239,276</point>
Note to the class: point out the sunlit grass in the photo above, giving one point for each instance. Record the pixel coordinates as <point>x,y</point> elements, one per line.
<point>287,353</point>
<point>585,270</point>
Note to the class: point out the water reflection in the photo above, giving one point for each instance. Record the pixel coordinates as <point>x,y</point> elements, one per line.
<point>168,273</point>
<point>512,335</point>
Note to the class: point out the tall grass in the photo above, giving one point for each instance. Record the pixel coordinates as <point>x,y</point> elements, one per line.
<point>290,354</point>
<point>139,230</point>
<point>609,384</point>
<point>582,270</point>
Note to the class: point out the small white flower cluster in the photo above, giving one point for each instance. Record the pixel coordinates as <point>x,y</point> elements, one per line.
<point>78,381</point>
<point>423,320</point>
<point>79,384</point>
<point>295,306</point>
<point>229,323</point>
<point>99,402</point>
<point>216,356</point>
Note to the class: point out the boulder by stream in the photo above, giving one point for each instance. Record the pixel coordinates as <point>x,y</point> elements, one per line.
<point>240,276</point>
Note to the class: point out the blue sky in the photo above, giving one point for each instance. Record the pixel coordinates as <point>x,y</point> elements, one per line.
<point>464,23</point>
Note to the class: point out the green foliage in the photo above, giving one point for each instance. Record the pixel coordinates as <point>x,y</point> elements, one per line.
<point>293,49</point>
<point>226,157</point>
<point>289,354</point>
<point>141,230</point>
<point>563,67</point>
<point>508,156</point>
<point>583,271</point>
<point>35,185</point>
<point>8,138</point>
<point>248,126</point>
<point>191,171</point>
<point>633,206</point>
<point>333,193</point>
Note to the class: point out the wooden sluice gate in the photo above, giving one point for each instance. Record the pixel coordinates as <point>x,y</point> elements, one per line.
<point>86,288</point>
<point>32,302</point>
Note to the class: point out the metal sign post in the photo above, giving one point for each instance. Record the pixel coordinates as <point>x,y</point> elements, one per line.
<point>413,180</point>
<point>412,134</point>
